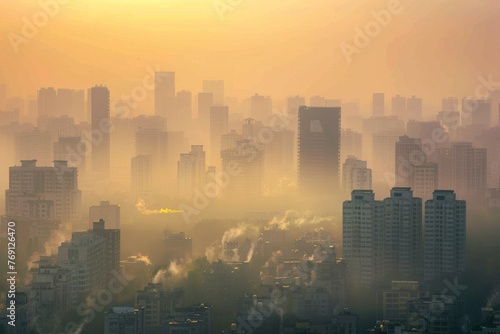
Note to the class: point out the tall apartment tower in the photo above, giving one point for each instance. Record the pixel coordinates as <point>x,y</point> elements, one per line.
<point>219,118</point>
<point>112,250</point>
<point>378,104</point>
<point>57,184</point>
<point>100,123</point>
<point>261,108</point>
<point>84,257</point>
<point>110,213</point>
<point>47,102</point>
<point>319,150</point>
<point>402,234</point>
<point>165,95</point>
<point>356,175</point>
<point>414,108</point>
<point>445,235</point>
<point>463,168</point>
<point>191,172</point>
<point>362,222</point>
<point>293,103</point>
<point>247,183</point>
<point>142,175</point>
<point>399,107</point>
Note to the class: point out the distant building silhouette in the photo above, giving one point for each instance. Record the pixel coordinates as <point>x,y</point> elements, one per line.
<point>319,150</point>
<point>100,127</point>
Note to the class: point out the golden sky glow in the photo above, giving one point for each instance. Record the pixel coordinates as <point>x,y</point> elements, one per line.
<point>279,48</point>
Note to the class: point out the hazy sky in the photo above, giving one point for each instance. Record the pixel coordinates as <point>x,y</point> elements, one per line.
<point>279,48</point>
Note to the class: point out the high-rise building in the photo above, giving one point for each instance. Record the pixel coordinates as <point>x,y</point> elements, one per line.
<point>112,249</point>
<point>362,233</point>
<point>191,172</point>
<point>261,108</point>
<point>319,150</point>
<point>445,235</point>
<point>409,154</point>
<point>124,320</point>
<point>72,150</point>
<point>216,87</point>
<point>425,180</point>
<point>153,142</point>
<point>219,117</point>
<point>476,112</point>
<point>378,104</point>
<point>110,213</point>
<point>58,184</point>
<point>355,175</point>
<point>183,111</point>
<point>50,285</point>
<point>142,175</point>
<point>247,183</point>
<point>100,126</point>
<point>34,145</point>
<point>84,257</point>
<point>414,108</point>
<point>463,168</point>
<point>47,102</point>
<point>317,101</point>
<point>402,234</point>
<point>399,107</point>
<point>205,102</point>
<point>382,238</point>
<point>293,103</point>
<point>351,143</point>
<point>158,302</point>
<point>165,95</point>
<point>71,102</point>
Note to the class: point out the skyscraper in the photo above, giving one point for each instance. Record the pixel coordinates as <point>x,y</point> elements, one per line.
<point>247,183</point>
<point>219,117</point>
<point>100,127</point>
<point>445,235</point>
<point>378,104</point>
<point>355,175</point>
<point>142,175</point>
<point>463,168</point>
<point>319,150</point>
<point>476,112</point>
<point>293,103</point>
<point>57,184</point>
<point>184,109</point>
<point>191,172</point>
<point>362,219</point>
<point>409,154</point>
<point>205,102</point>
<point>402,239</point>
<point>110,213</point>
<point>414,108</point>
<point>399,107</point>
<point>261,108</point>
<point>47,102</point>
<point>165,95</point>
